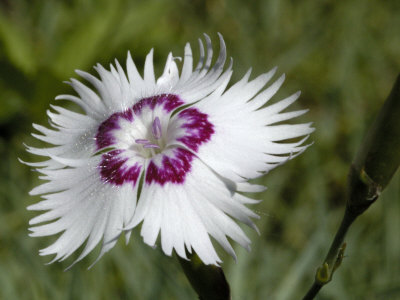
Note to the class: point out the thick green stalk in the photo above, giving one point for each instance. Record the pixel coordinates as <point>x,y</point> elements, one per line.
<point>379,155</point>
<point>208,281</point>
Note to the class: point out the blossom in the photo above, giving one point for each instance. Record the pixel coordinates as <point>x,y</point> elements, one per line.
<point>173,155</point>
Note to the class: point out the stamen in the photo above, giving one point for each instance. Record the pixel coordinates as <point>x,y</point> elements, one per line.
<point>142,141</point>
<point>156,128</point>
<point>151,146</point>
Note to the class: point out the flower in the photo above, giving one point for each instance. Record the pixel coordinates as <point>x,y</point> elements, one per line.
<point>173,154</point>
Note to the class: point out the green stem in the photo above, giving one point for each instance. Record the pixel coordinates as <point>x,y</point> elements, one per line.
<point>208,281</point>
<point>333,258</point>
<point>377,160</point>
<point>338,242</point>
<point>313,291</point>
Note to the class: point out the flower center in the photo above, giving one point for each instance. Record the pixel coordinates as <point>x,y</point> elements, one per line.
<point>148,131</point>
<point>155,145</point>
<point>141,128</point>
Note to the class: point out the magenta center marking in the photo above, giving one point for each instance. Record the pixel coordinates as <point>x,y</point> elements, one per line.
<point>173,168</point>
<point>198,129</point>
<point>117,168</point>
<point>113,169</point>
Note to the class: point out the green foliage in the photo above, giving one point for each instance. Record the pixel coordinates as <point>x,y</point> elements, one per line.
<point>344,56</point>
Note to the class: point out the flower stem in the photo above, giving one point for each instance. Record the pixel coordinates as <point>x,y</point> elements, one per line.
<point>376,162</point>
<point>208,281</point>
<point>333,258</point>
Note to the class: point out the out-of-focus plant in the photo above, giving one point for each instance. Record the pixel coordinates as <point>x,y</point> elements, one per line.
<point>342,55</point>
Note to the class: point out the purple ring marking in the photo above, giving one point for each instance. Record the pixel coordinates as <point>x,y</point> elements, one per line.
<point>104,136</point>
<point>173,168</point>
<point>198,129</point>
<point>168,101</point>
<point>113,169</point>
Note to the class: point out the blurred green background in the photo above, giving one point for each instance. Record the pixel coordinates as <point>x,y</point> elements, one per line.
<point>343,55</point>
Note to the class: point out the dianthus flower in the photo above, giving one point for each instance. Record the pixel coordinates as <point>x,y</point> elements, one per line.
<point>173,154</point>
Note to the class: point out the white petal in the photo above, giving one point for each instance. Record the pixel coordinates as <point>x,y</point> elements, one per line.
<point>115,101</point>
<point>70,120</point>
<point>205,78</point>
<point>267,94</point>
<point>135,80</point>
<point>84,208</point>
<point>186,214</point>
<point>187,63</point>
<point>240,128</point>
<point>87,95</point>
<point>149,77</point>
<point>170,76</point>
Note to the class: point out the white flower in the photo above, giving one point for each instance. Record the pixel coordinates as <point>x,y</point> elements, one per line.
<point>172,154</point>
